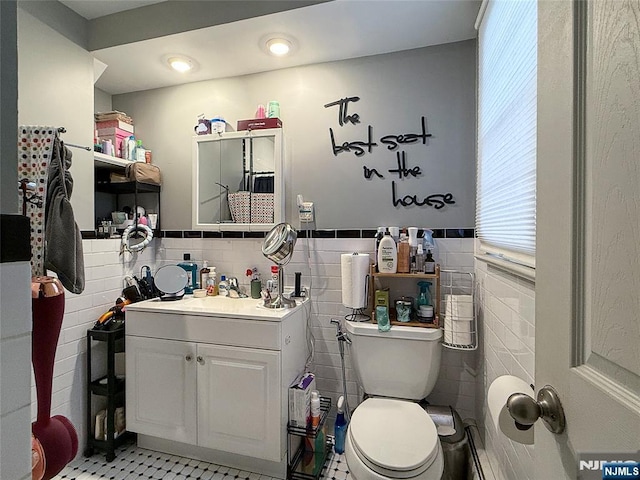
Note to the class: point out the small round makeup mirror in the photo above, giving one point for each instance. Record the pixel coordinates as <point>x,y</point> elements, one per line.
<point>278,247</point>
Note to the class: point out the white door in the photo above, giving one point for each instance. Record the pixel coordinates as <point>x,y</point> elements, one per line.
<point>239,401</point>
<point>161,388</point>
<point>588,223</point>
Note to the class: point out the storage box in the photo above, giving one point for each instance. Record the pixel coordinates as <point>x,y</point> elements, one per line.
<point>300,400</point>
<point>127,127</point>
<point>116,135</point>
<point>259,123</point>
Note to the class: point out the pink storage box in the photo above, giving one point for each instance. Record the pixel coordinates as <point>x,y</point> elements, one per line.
<point>116,136</point>
<point>106,124</point>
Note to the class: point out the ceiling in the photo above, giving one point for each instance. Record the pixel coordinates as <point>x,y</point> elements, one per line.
<point>91,9</point>
<point>336,30</point>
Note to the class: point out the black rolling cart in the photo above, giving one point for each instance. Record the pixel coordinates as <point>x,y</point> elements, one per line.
<point>108,386</point>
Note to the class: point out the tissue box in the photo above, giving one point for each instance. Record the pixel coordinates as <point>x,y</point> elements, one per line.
<point>300,400</point>
<point>259,123</point>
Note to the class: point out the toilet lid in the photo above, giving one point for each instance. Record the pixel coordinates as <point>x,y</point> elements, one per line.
<point>394,436</point>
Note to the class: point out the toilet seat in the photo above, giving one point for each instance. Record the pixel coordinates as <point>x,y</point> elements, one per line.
<point>394,438</point>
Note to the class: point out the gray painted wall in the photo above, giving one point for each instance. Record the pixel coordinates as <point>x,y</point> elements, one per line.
<point>101,101</point>
<point>395,91</point>
<point>8,108</point>
<point>56,88</point>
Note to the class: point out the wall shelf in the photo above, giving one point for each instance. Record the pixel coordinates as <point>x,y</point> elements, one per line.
<point>435,297</point>
<point>104,165</point>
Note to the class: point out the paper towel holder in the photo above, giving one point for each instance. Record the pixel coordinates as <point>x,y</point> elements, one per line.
<point>525,410</point>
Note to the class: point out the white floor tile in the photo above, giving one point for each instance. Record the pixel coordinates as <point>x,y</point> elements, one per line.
<point>133,463</point>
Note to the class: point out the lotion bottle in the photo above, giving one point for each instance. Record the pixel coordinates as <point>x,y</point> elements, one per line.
<point>315,408</point>
<point>223,287</point>
<point>387,254</point>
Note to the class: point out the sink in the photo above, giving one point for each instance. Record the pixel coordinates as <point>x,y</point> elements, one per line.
<point>215,306</point>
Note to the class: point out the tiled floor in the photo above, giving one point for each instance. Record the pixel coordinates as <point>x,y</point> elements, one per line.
<point>134,463</point>
<point>137,463</point>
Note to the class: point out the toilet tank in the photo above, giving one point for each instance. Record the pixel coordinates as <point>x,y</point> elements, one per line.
<point>401,363</point>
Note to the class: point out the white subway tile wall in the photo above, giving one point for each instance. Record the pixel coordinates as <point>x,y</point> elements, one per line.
<point>15,359</point>
<point>507,345</point>
<point>319,261</point>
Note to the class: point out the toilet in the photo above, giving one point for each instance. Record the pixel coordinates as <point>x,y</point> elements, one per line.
<point>390,435</point>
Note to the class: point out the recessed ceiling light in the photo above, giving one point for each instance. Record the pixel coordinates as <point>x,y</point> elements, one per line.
<point>279,46</point>
<point>180,64</point>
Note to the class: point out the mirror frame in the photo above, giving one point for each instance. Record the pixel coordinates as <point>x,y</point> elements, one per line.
<point>279,193</point>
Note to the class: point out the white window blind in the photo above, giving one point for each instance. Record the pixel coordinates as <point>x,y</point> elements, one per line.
<point>507,94</point>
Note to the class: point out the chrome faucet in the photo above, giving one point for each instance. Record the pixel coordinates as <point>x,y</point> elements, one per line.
<point>234,289</point>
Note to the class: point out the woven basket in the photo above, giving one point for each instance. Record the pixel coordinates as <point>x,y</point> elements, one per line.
<point>249,207</point>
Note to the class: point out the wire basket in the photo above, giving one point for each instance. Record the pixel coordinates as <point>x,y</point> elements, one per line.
<point>247,207</point>
<point>458,299</point>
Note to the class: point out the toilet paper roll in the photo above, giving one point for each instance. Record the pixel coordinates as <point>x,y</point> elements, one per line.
<point>354,270</point>
<point>458,319</point>
<point>499,391</point>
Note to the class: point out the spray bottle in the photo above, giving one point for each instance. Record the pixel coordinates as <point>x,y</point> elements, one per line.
<point>424,303</point>
<point>428,243</point>
<point>424,298</point>
<point>340,429</point>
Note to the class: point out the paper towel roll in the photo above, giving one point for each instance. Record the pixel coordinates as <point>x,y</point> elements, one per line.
<point>354,269</point>
<point>499,391</point>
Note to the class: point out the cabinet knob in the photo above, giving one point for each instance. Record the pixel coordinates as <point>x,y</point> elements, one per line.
<point>200,359</point>
<point>188,358</point>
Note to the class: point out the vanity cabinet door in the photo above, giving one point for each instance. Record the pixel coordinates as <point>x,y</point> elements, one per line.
<point>161,388</point>
<point>239,401</point>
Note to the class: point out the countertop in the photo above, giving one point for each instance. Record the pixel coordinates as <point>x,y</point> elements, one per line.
<point>217,306</point>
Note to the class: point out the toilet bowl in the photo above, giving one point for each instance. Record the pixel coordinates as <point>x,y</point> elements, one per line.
<point>389,438</point>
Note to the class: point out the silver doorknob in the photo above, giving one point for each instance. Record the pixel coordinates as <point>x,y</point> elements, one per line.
<point>200,359</point>
<point>525,410</point>
<point>188,358</point>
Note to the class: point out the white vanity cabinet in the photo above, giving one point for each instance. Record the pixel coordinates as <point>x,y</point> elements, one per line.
<point>214,373</point>
<point>161,376</point>
<point>239,400</point>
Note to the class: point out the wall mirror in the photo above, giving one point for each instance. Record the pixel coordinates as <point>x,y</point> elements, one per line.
<point>237,181</point>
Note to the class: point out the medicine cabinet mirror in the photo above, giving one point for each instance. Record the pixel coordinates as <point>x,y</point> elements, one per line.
<point>238,181</point>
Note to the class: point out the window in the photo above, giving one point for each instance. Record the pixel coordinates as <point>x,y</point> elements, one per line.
<point>507,96</point>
